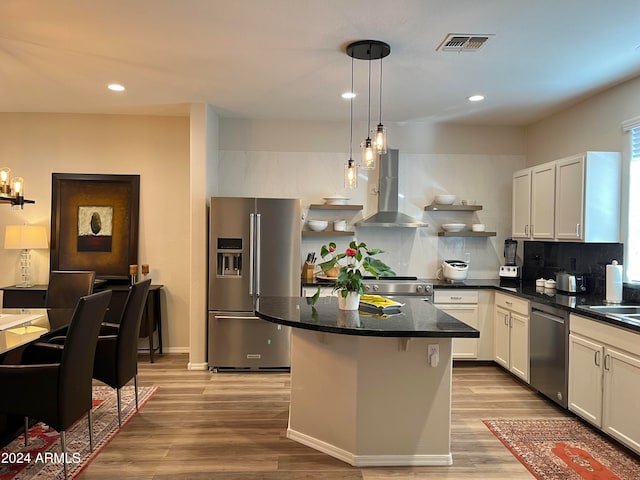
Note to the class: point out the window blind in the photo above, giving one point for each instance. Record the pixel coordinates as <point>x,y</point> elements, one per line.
<point>635,143</point>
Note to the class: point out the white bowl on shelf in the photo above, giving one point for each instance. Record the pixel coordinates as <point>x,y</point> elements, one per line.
<point>340,225</point>
<point>478,227</point>
<point>444,199</point>
<point>453,227</point>
<point>317,225</point>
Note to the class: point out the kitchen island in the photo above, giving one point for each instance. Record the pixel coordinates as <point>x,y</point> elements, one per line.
<point>363,387</point>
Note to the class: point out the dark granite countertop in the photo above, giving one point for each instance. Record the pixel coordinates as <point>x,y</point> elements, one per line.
<point>573,303</point>
<point>417,319</point>
<point>578,303</point>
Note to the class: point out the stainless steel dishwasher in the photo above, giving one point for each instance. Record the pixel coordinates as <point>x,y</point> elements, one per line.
<point>549,351</point>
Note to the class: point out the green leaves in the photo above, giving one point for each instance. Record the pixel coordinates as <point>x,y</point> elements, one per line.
<point>350,275</point>
<point>376,267</point>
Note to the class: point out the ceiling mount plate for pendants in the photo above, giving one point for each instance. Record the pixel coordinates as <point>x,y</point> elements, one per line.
<point>368,50</point>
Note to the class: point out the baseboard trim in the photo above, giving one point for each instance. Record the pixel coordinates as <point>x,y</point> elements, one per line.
<point>370,460</point>
<point>197,366</point>
<point>176,349</point>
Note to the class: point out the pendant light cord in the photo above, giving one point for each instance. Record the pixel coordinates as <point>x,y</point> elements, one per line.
<point>369,118</point>
<point>381,91</point>
<point>351,115</point>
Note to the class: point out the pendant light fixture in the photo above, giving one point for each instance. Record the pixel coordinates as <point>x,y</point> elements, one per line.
<point>370,50</point>
<point>350,168</point>
<point>366,147</point>
<point>380,137</point>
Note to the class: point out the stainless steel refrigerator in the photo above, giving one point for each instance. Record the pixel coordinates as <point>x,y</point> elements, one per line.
<point>254,250</point>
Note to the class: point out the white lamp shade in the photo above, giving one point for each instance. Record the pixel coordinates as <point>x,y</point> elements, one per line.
<point>20,237</point>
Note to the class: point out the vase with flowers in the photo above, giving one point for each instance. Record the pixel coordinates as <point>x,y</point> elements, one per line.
<point>352,263</point>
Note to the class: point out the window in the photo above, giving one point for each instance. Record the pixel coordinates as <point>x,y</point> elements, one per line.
<point>632,247</point>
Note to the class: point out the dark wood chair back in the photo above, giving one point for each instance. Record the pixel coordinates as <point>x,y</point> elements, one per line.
<point>116,360</point>
<point>67,286</point>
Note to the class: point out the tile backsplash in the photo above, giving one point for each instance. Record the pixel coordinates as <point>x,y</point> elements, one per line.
<point>545,259</point>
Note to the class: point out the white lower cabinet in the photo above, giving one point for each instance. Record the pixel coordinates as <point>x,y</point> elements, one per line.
<point>511,334</point>
<point>585,378</point>
<point>462,305</point>
<point>604,378</point>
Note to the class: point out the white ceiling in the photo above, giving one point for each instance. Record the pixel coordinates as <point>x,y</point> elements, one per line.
<point>284,59</point>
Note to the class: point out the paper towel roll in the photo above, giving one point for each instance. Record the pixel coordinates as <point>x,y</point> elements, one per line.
<point>614,282</point>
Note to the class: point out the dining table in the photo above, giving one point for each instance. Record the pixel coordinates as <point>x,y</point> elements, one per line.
<point>20,327</point>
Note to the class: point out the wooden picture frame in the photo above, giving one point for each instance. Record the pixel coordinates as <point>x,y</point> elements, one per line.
<point>94,223</point>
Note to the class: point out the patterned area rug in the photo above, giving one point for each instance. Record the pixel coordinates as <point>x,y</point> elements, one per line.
<point>564,449</point>
<point>42,458</point>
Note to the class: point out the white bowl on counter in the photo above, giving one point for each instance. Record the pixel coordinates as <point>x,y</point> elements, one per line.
<point>453,227</point>
<point>444,199</point>
<point>317,225</point>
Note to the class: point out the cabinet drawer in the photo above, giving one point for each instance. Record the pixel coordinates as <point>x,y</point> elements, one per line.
<point>455,296</point>
<point>602,332</point>
<point>512,303</point>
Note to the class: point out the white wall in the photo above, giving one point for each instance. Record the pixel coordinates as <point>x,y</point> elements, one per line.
<point>591,125</point>
<point>415,137</point>
<point>156,148</point>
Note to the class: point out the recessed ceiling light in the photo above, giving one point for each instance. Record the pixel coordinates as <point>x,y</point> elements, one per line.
<point>348,95</point>
<point>115,87</point>
<point>475,98</point>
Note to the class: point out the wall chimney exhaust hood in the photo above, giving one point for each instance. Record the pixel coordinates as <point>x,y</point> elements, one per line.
<point>388,214</point>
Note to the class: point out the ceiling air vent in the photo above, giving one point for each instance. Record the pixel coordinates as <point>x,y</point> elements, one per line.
<point>455,42</point>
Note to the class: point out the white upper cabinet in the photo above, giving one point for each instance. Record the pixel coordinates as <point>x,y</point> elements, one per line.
<point>588,197</point>
<point>521,213</point>
<point>543,191</point>
<point>533,202</point>
<point>572,199</point>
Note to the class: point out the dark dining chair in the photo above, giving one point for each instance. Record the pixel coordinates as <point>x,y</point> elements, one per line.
<point>67,286</point>
<point>116,360</point>
<point>59,393</point>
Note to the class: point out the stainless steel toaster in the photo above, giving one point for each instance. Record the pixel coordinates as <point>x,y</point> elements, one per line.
<point>570,283</point>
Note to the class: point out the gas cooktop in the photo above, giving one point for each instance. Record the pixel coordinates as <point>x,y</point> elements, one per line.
<point>398,286</point>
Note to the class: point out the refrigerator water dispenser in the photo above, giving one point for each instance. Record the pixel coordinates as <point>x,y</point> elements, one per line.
<point>229,261</point>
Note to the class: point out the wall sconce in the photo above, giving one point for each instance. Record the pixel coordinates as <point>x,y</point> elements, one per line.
<point>12,191</point>
<point>5,187</point>
<point>25,238</point>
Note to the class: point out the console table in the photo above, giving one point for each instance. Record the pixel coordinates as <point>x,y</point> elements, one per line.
<point>34,297</point>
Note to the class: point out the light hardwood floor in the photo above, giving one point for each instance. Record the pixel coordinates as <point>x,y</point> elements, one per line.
<point>231,426</point>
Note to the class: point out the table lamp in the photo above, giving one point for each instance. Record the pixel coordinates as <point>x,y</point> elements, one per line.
<point>25,238</point>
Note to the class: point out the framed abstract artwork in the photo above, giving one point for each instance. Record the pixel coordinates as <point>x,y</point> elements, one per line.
<point>94,223</point>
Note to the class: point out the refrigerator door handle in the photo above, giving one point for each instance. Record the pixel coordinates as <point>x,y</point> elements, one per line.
<point>251,251</point>
<point>258,234</point>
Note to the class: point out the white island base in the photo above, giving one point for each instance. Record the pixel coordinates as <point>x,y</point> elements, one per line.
<point>371,401</point>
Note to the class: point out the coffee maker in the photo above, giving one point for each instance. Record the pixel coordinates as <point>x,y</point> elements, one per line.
<point>510,272</point>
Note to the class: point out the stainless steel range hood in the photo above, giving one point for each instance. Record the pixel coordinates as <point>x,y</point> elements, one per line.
<point>388,214</point>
